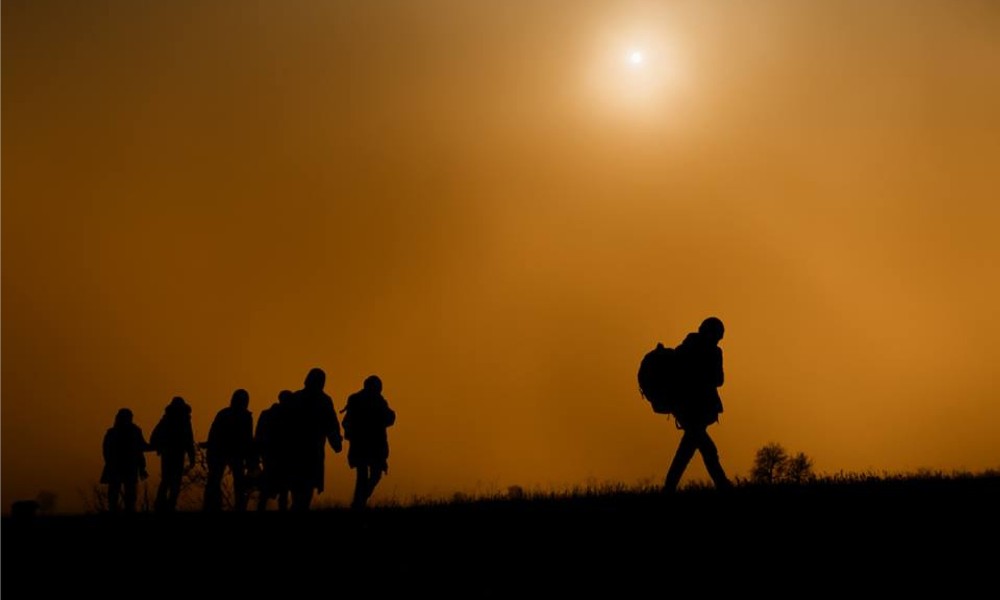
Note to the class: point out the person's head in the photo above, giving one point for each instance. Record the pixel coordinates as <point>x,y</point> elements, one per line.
<point>315,379</point>
<point>123,417</point>
<point>712,329</point>
<point>373,384</point>
<point>178,406</point>
<point>284,396</point>
<point>240,399</point>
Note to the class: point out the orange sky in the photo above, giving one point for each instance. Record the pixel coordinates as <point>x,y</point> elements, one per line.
<point>484,204</point>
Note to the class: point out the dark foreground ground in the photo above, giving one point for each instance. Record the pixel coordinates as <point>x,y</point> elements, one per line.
<point>862,539</point>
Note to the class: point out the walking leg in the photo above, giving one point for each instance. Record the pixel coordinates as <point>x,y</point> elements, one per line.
<point>360,487</point>
<point>710,454</point>
<point>685,451</point>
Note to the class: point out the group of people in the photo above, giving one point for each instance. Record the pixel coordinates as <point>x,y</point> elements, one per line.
<point>290,439</point>
<point>284,455</point>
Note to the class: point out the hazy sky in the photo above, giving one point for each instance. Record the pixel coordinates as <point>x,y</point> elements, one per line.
<point>498,207</point>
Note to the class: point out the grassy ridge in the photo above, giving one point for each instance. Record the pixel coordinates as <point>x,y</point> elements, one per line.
<point>882,533</point>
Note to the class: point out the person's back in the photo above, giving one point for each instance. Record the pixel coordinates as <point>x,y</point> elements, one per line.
<point>311,423</point>
<point>230,445</point>
<point>173,434</point>
<point>266,434</point>
<point>172,439</point>
<point>231,435</point>
<point>123,452</point>
<point>315,418</point>
<point>123,448</point>
<point>271,449</point>
<point>367,416</point>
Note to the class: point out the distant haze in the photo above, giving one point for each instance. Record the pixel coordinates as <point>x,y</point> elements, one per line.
<point>491,207</point>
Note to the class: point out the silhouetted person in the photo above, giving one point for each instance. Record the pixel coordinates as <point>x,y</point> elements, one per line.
<point>270,441</point>
<point>124,461</point>
<point>172,439</point>
<point>701,358</point>
<point>312,423</point>
<point>230,446</point>
<point>367,417</point>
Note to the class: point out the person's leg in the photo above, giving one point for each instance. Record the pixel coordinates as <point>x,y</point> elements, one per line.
<point>213,487</point>
<point>161,490</point>
<point>266,491</point>
<point>174,491</point>
<point>374,476</point>
<point>360,486</point>
<point>240,491</point>
<point>685,451</point>
<point>170,483</point>
<point>279,483</point>
<point>264,494</point>
<point>302,498</point>
<point>114,494</point>
<point>160,505</point>
<point>178,482</point>
<point>710,454</point>
<point>295,499</point>
<point>131,496</point>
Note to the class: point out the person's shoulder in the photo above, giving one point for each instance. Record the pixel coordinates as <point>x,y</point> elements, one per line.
<point>690,341</point>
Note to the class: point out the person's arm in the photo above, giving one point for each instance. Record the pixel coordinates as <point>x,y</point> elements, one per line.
<point>258,436</point>
<point>189,445</point>
<point>718,374</point>
<point>333,428</point>
<point>390,416</point>
<point>154,437</point>
<point>213,432</point>
<point>249,448</point>
<point>143,446</point>
<point>106,447</point>
<point>348,422</point>
<point>258,432</point>
<point>252,451</point>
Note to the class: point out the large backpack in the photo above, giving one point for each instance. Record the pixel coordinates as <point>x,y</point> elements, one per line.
<point>660,379</point>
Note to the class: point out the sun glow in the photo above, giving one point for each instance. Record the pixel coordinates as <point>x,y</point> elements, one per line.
<point>635,75</point>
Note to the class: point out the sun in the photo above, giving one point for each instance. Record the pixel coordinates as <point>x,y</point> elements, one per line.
<point>637,72</point>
